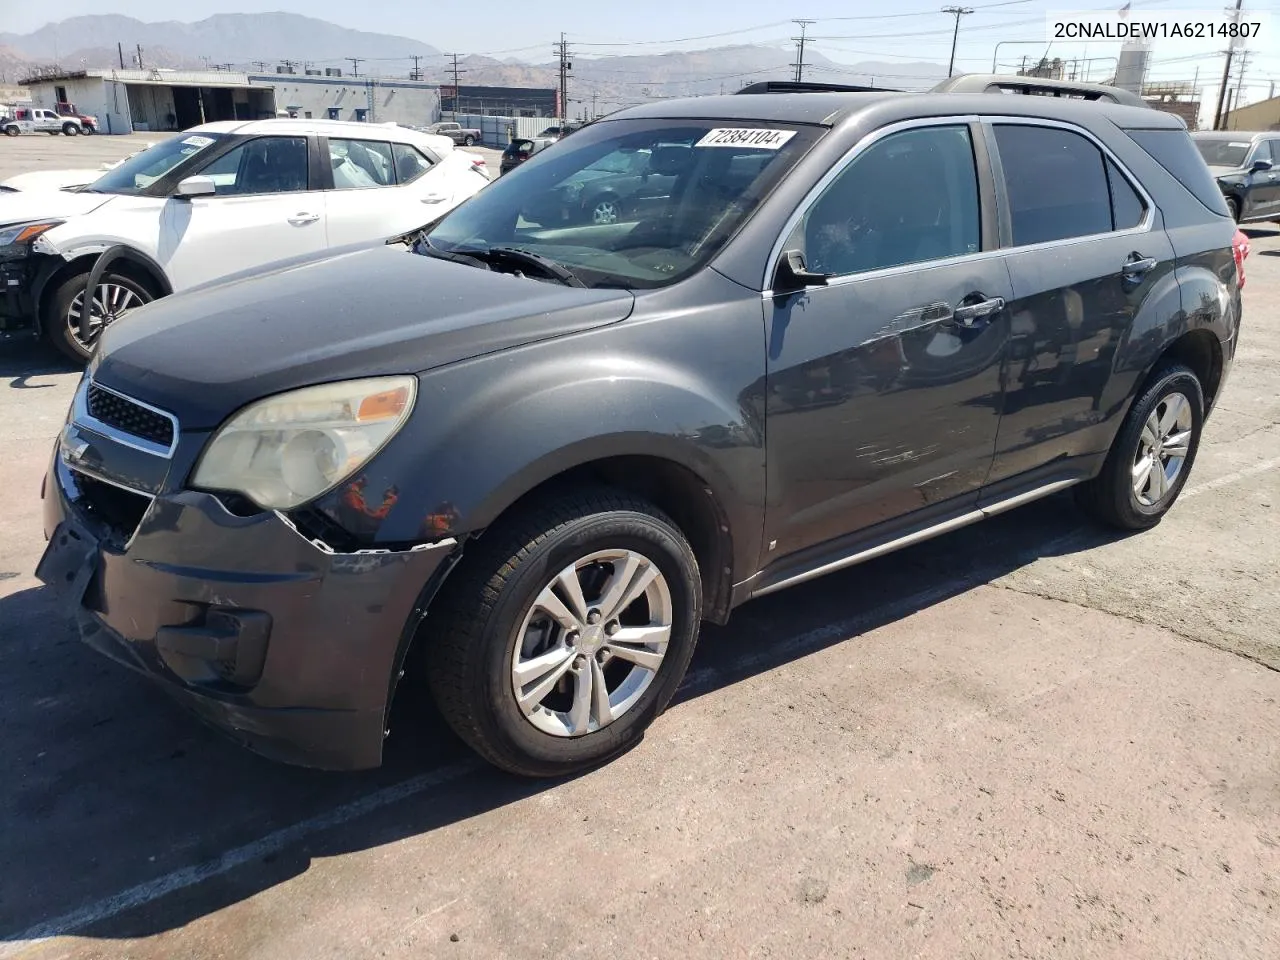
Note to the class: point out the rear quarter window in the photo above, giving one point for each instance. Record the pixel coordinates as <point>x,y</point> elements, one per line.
<point>1174,151</point>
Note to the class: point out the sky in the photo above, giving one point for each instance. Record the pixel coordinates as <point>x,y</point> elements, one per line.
<point>846,30</point>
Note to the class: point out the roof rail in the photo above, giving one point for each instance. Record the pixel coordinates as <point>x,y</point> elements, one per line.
<point>1038,86</point>
<point>792,86</point>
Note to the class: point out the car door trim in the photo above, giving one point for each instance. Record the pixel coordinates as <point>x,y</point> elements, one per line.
<point>918,536</point>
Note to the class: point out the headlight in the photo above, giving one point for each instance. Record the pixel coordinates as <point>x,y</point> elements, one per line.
<point>25,232</point>
<point>285,450</point>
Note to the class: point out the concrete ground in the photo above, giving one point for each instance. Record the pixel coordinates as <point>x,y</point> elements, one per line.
<point>1028,738</point>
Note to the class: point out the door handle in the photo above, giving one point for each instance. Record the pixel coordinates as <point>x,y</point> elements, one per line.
<point>1136,267</point>
<point>969,314</point>
<point>301,219</point>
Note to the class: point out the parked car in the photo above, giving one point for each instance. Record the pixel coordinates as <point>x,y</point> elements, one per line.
<point>39,120</point>
<point>88,122</point>
<point>543,453</point>
<point>213,201</point>
<point>1247,168</point>
<point>519,150</point>
<point>559,132</point>
<point>460,135</point>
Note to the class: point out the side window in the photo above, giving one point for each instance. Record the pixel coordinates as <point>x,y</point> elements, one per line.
<point>264,165</point>
<point>1126,205</point>
<point>361,163</point>
<point>908,198</point>
<point>1057,184</point>
<point>411,163</point>
<point>1262,151</point>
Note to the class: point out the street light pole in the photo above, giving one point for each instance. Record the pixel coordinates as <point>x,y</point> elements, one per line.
<point>956,12</point>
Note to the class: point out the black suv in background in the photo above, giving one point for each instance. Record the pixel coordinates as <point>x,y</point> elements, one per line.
<point>1247,168</point>
<point>546,450</point>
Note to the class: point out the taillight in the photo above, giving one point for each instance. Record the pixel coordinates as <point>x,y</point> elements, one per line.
<point>1240,250</point>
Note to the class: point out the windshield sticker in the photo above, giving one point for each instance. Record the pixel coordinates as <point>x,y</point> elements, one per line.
<point>198,141</point>
<point>758,139</point>
<point>1237,145</point>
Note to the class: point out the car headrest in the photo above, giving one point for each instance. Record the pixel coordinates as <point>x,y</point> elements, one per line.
<point>670,161</point>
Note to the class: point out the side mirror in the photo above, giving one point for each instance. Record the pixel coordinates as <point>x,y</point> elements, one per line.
<point>1259,165</point>
<point>793,275</point>
<point>197,187</point>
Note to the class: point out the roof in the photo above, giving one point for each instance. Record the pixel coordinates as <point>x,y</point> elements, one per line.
<point>328,128</point>
<point>832,109</point>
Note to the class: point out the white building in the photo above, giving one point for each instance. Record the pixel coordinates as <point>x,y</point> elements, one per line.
<point>126,101</point>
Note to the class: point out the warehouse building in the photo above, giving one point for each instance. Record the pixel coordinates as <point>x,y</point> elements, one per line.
<point>501,101</point>
<point>128,101</point>
<point>1263,115</point>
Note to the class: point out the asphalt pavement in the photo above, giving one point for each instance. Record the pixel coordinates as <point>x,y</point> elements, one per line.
<point>1028,738</point>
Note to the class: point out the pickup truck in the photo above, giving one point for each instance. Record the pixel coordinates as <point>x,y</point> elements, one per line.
<point>39,120</point>
<point>88,122</point>
<point>463,136</point>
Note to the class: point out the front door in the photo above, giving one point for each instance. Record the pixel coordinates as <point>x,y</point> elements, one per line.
<point>884,385</point>
<point>1086,250</point>
<point>1264,185</point>
<point>262,212</point>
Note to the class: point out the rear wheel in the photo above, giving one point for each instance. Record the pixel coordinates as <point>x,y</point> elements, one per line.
<point>560,640</point>
<point>1152,455</point>
<point>11,131</point>
<point>116,296</point>
<point>469,141</point>
<point>70,129</point>
<point>1234,206</point>
<point>606,210</point>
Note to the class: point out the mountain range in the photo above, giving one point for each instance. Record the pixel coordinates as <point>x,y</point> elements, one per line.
<point>258,41</point>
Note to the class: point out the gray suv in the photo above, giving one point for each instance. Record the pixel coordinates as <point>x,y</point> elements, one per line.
<point>542,451</point>
<point>1247,168</point>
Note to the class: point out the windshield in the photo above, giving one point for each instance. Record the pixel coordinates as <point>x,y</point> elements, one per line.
<point>134,175</point>
<point>629,203</point>
<point>1223,153</point>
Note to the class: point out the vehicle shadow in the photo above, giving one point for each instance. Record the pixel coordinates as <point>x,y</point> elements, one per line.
<point>21,359</point>
<point>112,788</point>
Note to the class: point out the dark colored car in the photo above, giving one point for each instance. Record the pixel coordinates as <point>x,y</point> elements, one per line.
<point>543,453</point>
<point>517,152</point>
<point>1247,168</point>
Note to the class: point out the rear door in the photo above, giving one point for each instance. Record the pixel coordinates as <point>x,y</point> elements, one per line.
<point>380,189</point>
<point>883,396</point>
<point>1086,248</point>
<point>263,211</point>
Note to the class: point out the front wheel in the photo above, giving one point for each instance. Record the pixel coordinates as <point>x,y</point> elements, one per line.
<point>1152,455</point>
<point>116,296</point>
<point>11,131</point>
<point>560,640</point>
<point>1234,206</point>
<point>70,129</point>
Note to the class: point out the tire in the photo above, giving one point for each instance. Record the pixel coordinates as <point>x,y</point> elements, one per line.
<point>490,604</point>
<point>1114,496</point>
<point>59,303</point>
<point>11,131</point>
<point>1234,206</point>
<point>88,131</point>
<point>605,210</point>
<point>469,141</point>
<point>71,130</point>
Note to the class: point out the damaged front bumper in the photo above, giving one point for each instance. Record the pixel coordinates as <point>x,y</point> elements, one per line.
<point>292,649</point>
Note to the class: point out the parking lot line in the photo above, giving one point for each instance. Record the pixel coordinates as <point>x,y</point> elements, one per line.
<point>1234,477</point>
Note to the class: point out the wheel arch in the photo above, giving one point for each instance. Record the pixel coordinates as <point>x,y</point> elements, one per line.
<point>127,260</point>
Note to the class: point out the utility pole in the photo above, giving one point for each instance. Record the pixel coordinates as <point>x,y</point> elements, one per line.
<point>800,42</point>
<point>417,72</point>
<point>595,94</point>
<point>561,50</point>
<point>355,64</point>
<point>457,89</point>
<point>120,50</point>
<point>289,65</point>
<point>1226,76</point>
<point>261,65</point>
<point>139,56</point>
<point>956,12</point>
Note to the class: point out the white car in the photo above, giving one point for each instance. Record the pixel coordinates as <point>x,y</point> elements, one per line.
<point>37,120</point>
<point>60,179</point>
<point>214,201</point>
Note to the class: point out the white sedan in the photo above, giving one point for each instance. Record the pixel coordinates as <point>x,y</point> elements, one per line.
<point>213,201</point>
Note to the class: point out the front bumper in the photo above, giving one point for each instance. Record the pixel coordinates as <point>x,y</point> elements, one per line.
<point>292,650</point>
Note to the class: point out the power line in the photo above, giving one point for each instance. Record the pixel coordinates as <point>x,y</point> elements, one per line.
<point>800,41</point>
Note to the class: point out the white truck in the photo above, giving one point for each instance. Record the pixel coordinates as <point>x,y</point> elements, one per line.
<point>39,120</point>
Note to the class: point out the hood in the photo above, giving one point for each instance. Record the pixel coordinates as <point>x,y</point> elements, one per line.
<point>54,180</point>
<point>24,206</point>
<point>205,353</point>
<point>1221,171</point>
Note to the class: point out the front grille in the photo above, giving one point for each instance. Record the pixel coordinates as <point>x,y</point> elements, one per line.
<point>132,418</point>
<point>120,510</point>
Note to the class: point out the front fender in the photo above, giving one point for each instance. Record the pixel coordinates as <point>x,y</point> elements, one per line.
<point>487,431</point>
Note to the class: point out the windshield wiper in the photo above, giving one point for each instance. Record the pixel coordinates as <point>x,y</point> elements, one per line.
<point>469,257</point>
<point>551,267</point>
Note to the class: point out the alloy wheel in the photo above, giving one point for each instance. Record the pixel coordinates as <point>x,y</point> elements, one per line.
<point>1163,447</point>
<point>606,211</point>
<point>111,302</point>
<point>591,643</point>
